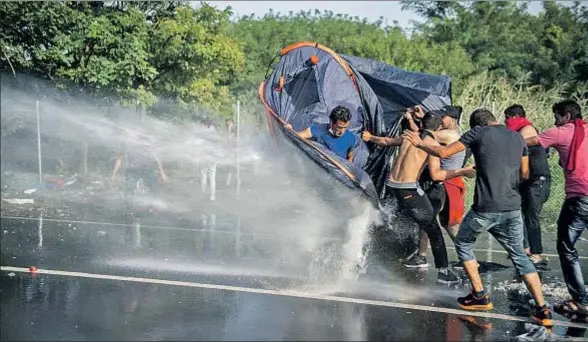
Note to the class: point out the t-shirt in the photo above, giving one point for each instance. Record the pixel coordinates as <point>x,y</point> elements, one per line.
<point>138,156</point>
<point>497,152</point>
<point>560,138</point>
<point>341,146</point>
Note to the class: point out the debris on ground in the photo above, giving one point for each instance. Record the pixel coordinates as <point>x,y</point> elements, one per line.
<point>539,333</point>
<point>29,191</point>
<point>556,289</point>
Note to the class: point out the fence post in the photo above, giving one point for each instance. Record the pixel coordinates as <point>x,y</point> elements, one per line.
<point>238,237</point>
<point>39,145</point>
<point>238,149</point>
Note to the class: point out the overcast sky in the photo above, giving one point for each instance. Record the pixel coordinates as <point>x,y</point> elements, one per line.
<point>390,10</point>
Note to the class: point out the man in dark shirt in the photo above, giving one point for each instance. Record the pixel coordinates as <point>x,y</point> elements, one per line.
<point>501,161</point>
<point>534,191</point>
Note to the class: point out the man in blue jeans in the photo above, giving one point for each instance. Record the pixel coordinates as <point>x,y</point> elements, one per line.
<point>501,157</point>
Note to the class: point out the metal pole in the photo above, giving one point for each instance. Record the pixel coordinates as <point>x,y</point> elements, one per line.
<point>39,145</point>
<point>238,240</point>
<point>40,231</point>
<point>238,149</point>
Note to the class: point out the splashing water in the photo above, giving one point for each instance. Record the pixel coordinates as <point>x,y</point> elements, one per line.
<point>319,227</point>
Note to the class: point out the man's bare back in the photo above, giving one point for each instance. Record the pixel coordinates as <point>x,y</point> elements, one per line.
<point>410,163</point>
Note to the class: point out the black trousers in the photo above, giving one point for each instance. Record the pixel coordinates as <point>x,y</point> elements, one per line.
<point>572,222</point>
<point>534,193</point>
<point>415,205</point>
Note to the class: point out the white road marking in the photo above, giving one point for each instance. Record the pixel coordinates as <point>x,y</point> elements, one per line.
<point>287,294</point>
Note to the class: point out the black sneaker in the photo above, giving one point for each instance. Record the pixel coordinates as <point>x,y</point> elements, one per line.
<point>473,303</point>
<point>447,278</point>
<point>542,315</point>
<point>416,261</point>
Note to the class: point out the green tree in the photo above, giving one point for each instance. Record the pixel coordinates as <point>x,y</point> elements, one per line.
<point>196,60</point>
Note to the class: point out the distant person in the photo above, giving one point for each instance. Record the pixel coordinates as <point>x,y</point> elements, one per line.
<point>403,181</point>
<point>335,135</point>
<point>208,166</point>
<point>570,139</point>
<point>447,194</point>
<point>534,191</point>
<point>138,160</point>
<point>231,129</point>
<point>501,157</point>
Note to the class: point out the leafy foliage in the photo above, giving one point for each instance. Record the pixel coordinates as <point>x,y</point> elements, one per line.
<point>148,52</point>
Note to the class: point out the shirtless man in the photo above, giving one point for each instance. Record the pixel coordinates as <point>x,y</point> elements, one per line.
<point>405,188</point>
<point>501,157</point>
<point>445,194</point>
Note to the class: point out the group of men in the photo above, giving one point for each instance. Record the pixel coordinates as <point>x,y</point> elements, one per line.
<point>512,184</point>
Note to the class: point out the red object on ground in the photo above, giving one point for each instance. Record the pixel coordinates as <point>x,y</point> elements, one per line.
<point>33,269</point>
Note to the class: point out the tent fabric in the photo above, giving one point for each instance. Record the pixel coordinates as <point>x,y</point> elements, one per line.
<point>301,91</point>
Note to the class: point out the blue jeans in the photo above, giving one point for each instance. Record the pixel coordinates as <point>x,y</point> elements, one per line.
<point>507,229</point>
<point>573,220</point>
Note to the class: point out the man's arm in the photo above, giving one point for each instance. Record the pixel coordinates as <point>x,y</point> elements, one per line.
<point>525,167</point>
<point>381,141</point>
<point>117,165</point>
<point>532,141</point>
<point>159,167</point>
<point>413,126</point>
<point>437,151</point>
<point>350,155</point>
<point>304,134</point>
<point>446,136</point>
<point>528,132</point>
<point>546,139</point>
<point>439,175</point>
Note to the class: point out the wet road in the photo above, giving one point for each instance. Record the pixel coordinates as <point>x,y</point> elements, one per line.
<point>406,305</point>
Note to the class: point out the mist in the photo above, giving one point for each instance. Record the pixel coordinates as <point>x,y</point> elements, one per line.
<point>297,218</point>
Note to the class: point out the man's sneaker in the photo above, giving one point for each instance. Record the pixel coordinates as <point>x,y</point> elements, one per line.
<point>416,261</point>
<point>473,303</point>
<point>447,277</point>
<point>542,315</point>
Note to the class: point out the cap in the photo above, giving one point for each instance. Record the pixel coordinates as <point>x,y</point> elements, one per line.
<point>451,111</point>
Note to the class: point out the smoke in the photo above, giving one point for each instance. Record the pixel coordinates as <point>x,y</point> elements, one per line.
<point>318,226</point>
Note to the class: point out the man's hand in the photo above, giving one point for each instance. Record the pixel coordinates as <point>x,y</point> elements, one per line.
<point>419,112</point>
<point>366,136</point>
<point>469,172</point>
<point>408,115</point>
<point>413,137</point>
<point>163,177</point>
<point>288,126</point>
